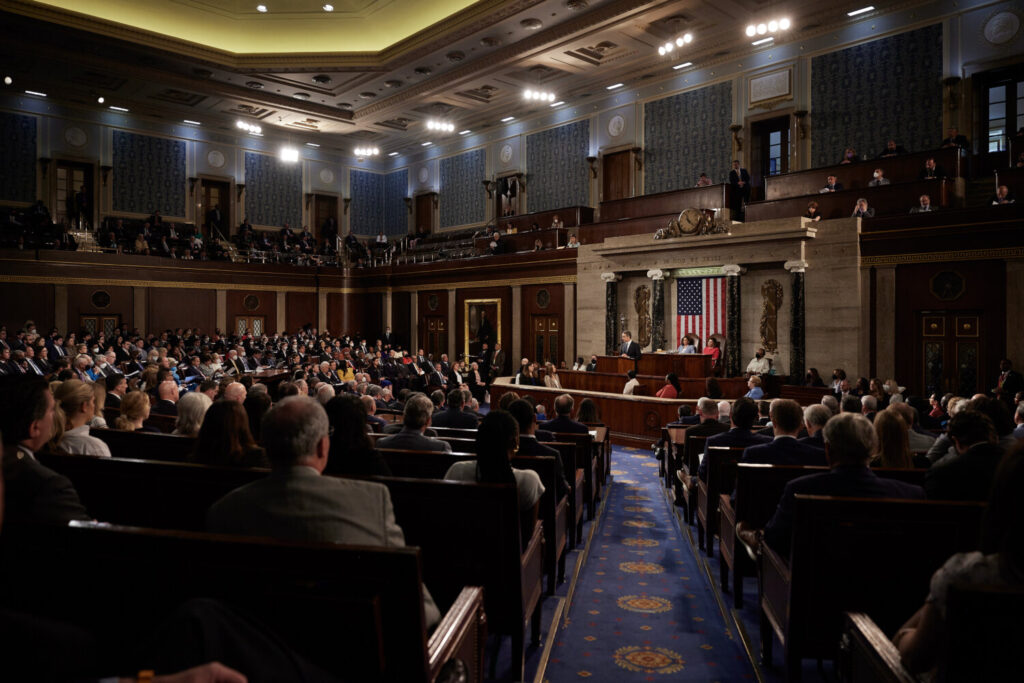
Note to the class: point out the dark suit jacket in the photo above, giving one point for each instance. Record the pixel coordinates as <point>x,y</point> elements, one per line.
<point>37,495</point>
<point>565,425</point>
<point>411,439</point>
<point>531,446</point>
<point>113,401</point>
<point>784,451</point>
<point>685,421</point>
<point>817,441</point>
<point>453,418</point>
<point>498,363</point>
<point>165,407</point>
<point>742,176</point>
<point>732,438</point>
<point>844,480</point>
<point>631,349</point>
<point>591,367</point>
<point>965,476</point>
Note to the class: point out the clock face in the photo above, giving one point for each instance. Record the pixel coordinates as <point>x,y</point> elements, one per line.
<point>689,220</point>
<point>506,154</point>
<point>616,125</point>
<point>215,158</point>
<point>327,176</point>
<point>75,136</point>
<point>424,175</point>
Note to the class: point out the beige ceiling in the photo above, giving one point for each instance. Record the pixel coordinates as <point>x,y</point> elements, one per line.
<point>289,26</point>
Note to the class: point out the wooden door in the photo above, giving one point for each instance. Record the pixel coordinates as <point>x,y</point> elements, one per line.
<point>425,213</point>
<point>507,193</point>
<point>75,201</point>
<point>616,175</point>
<point>949,353</point>
<point>435,335</point>
<point>255,325</point>
<point>546,335</point>
<point>769,150</point>
<point>324,206</point>
<point>215,196</point>
<point>107,324</point>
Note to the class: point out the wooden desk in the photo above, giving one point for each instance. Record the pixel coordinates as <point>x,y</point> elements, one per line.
<point>901,169</point>
<point>659,364</point>
<point>612,383</point>
<point>888,200</point>
<point>674,201</point>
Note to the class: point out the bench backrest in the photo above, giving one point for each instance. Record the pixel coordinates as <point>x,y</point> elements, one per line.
<point>146,445</point>
<point>421,464</point>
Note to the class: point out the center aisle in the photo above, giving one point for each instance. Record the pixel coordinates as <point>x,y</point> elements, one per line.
<point>643,606</point>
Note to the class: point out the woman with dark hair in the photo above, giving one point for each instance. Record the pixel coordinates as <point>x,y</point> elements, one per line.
<point>814,379</point>
<point>351,449</point>
<point>863,387</point>
<point>588,413</point>
<point>256,405</point>
<point>225,439</point>
<point>712,388</point>
<point>672,389</point>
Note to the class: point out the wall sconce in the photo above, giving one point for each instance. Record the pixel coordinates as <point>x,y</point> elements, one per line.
<point>521,177</point>
<point>489,186</point>
<point>435,198</point>
<point>309,200</point>
<point>346,201</point>
<point>191,185</point>
<point>737,140</point>
<point>801,127</point>
<point>239,189</point>
<point>45,163</point>
<point>104,172</point>
<point>592,161</point>
<point>952,91</point>
<point>408,204</point>
<point>638,157</point>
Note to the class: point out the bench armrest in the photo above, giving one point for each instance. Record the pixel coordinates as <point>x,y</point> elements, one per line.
<point>462,634</point>
<point>866,654</point>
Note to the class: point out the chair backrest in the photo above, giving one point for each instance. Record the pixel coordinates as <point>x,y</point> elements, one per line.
<point>421,464</point>
<point>145,445</point>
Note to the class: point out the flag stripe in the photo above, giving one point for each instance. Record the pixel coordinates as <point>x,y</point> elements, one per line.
<point>700,307</point>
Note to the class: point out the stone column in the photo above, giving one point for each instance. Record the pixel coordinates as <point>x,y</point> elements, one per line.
<point>140,308</point>
<point>387,309</point>
<point>453,333</point>
<point>569,325</point>
<point>611,311</point>
<point>733,316</point>
<point>885,322</point>
<point>516,333</point>
<point>798,324</point>
<point>414,327</point>
<point>657,308</point>
<point>282,313</point>
<point>222,312</point>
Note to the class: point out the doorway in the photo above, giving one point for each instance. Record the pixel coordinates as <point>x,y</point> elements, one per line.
<point>435,335</point>
<point>216,208</point>
<point>325,206</point>
<point>75,205</point>
<point>769,151</point>
<point>94,324</point>
<point>254,325</point>
<point>1002,115</point>
<point>424,210</point>
<point>545,339</point>
<point>950,355</point>
<point>507,195</point>
<point>616,175</point>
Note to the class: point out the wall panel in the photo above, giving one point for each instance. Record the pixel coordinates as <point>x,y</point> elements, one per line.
<point>273,191</point>
<point>239,303</point>
<point>557,168</point>
<point>18,170</point>
<point>505,331</point>
<point>172,308</point>
<point>300,310</point>
<point>149,174</point>
<point>81,301</point>
<point>23,302</point>
<point>462,198</point>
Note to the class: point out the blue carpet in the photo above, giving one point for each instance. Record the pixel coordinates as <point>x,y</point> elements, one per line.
<point>643,606</point>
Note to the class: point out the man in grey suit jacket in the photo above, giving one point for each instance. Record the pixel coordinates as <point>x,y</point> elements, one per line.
<point>297,503</point>
<point>415,420</point>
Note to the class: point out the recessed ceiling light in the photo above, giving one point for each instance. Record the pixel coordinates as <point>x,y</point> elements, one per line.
<point>100,100</point>
<point>683,65</point>
<point>261,8</point>
<point>556,104</point>
<point>328,8</point>
<point>769,39</point>
<point>35,92</point>
<point>613,87</point>
<point>192,123</point>
<point>465,132</point>
<point>507,119</point>
<point>862,10</point>
<point>428,143</point>
<point>8,80</point>
<point>392,154</point>
<point>118,108</point>
<point>312,144</point>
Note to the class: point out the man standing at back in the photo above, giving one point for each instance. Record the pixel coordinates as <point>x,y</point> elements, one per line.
<point>563,423</point>
<point>296,503</point>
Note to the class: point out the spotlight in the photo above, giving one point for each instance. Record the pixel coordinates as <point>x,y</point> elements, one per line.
<point>751,30</point>
<point>328,8</point>
<point>100,100</point>
<point>688,38</point>
<point>669,47</point>
<point>8,80</point>
<point>762,29</point>
<point>261,8</point>
<point>773,26</point>
<point>507,119</point>
<point>784,24</point>
<point>661,50</point>
<point>289,155</point>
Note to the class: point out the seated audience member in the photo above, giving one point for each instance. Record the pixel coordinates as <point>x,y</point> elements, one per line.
<point>787,421</point>
<point>370,409</point>
<point>225,439</point>
<point>295,502</point>
<point>415,420</point>
<point>703,181</point>
<point>685,417</point>
<point>592,365</point>
<point>813,378</point>
<point>711,388</point>
<point>167,391</point>
<point>918,440</point>
<point>999,564</point>
<point>454,415</point>
<point>574,242</point>
<point>497,439</point>
<point>134,413</point>
<point>815,419</point>
<point>763,409</point>
<point>850,441</point>
<point>324,393</point>
<point>850,404</point>
<point>33,494</point>
<point>351,451</point>
<point>759,364</point>
<point>99,390</point>
<point>236,391</point>
<point>497,245</point>
<point>117,387</point>
<point>893,443</point>
<point>931,171</point>
<point>631,383</point>
<point>812,211</point>
<point>831,185</point>
<point>850,156</point>
<point>708,424</point>
<point>538,245</point>
<point>209,387</point>
<point>924,205</point>
<point>1002,196</point>
<point>741,419</point>
<point>893,391</point>
<point>869,407</point>
<point>191,411</point>
<point>551,380</point>
<point>831,403</point>
<point>1018,418</point>
<point>862,210</point>
<point>878,178</point>
<point>686,345</point>
<point>755,391</point>
<point>579,365</point>
<point>891,150</point>
<point>968,474</point>
<point>588,413</point>
<point>672,388</point>
<point>724,412</point>
<point>1002,419</point>
<point>943,446</point>
<point>526,418</point>
<point>256,405</point>
<point>562,423</point>
<point>78,402</point>
<point>956,140</point>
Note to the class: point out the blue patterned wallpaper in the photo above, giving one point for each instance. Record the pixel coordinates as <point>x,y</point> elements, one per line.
<point>686,135</point>
<point>273,191</point>
<point>18,170</point>
<point>863,95</point>
<point>395,212</point>
<point>367,202</point>
<point>149,174</point>
<point>557,168</point>
<point>462,197</point>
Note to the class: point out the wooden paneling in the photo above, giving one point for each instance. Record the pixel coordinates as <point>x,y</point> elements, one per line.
<point>502,293</point>
<point>372,325</point>
<point>336,311</point>
<point>80,303</point>
<point>711,197</point>
<point>888,200</point>
<point>173,308</point>
<point>438,313</point>
<point>570,216</point>
<point>401,303</point>
<point>660,364</point>
<point>613,383</point>
<point>525,241</point>
<point>616,175</point>
<point>266,306</point>
<point>300,310</point>
<point>23,302</point>
<point>533,299</point>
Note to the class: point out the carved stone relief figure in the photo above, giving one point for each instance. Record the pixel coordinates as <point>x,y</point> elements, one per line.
<point>771,293</point>
<point>642,302</point>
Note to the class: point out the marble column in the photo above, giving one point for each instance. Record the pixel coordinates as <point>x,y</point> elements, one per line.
<point>516,333</point>
<point>611,311</point>
<point>657,308</point>
<point>453,334</point>
<point>798,323</point>
<point>885,322</point>
<point>733,316</point>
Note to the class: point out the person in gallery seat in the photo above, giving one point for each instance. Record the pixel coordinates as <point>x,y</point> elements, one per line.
<point>924,205</point>
<point>878,178</point>
<point>955,139</point>
<point>739,179</point>
<point>831,185</point>
<point>862,210</point>
<point>1002,196</point>
<point>703,181</point>
<point>891,150</point>
<point>850,156</point>
<point>931,171</point>
<point>812,211</point>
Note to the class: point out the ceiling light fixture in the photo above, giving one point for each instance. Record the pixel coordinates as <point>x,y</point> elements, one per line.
<point>118,108</point>
<point>682,40</point>
<point>249,127</point>
<point>192,123</point>
<point>507,119</point>
<point>312,144</point>
<point>392,154</point>
<point>289,155</point>
<point>772,26</point>
<point>428,143</point>
<point>769,39</point>
<point>261,8</point>
<point>363,152</point>
<point>614,86</point>
<point>8,80</point>
<point>539,95</point>
<point>328,8</point>
<point>557,104</point>
<point>100,100</point>
<point>440,126</point>
<point>465,132</point>
<point>35,92</point>
<point>862,10</point>
<point>682,66</point>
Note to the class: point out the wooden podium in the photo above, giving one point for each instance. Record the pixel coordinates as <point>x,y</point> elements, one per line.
<point>693,365</point>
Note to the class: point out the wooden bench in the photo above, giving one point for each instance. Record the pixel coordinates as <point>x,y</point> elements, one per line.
<point>840,546</point>
<point>355,611</point>
<point>721,471</point>
<point>574,463</point>
<point>693,448</point>
<point>887,200</point>
<point>145,445</point>
<point>585,460</point>
<point>805,396</point>
<point>709,197</point>
<point>866,655</point>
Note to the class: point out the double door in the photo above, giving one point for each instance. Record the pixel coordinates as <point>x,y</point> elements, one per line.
<point>435,336</point>
<point>546,332</point>
<point>950,355</point>
<point>255,325</point>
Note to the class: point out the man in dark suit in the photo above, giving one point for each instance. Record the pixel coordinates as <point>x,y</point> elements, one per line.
<point>707,412</point>
<point>869,407</point>
<point>215,219</point>
<point>739,179</point>
<point>34,494</point>
<point>498,360</point>
<point>438,377</point>
<point>370,407</point>
<point>592,365</point>
<point>234,363</point>
<point>388,339</point>
<point>815,419</point>
<point>956,140</point>
<point>525,415</point>
<point>415,421</point>
<point>931,171</point>
<point>563,423</point>
<point>831,185</point>
<point>684,417</point>
<point>167,403</point>
<point>1009,383</point>
<point>744,410</point>
<point>968,474</point>
<point>784,449</point>
<point>329,509</point>
<point>629,348</point>
<point>850,441</point>
<point>453,416</point>
<point>117,387</point>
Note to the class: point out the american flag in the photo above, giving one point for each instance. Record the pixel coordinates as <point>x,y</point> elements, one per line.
<point>700,308</point>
